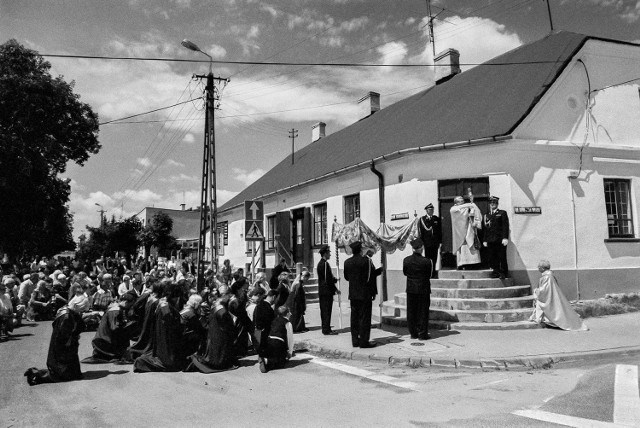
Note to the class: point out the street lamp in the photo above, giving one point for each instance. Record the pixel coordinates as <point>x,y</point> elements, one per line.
<point>101,211</point>
<point>208,189</point>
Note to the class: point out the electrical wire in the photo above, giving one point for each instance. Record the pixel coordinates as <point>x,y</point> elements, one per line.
<point>147,112</point>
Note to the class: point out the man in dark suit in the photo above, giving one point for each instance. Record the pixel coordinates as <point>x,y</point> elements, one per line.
<point>417,269</point>
<point>431,236</point>
<point>496,238</point>
<point>326,289</point>
<point>359,270</point>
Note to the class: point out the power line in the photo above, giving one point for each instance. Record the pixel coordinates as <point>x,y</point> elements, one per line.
<point>147,112</point>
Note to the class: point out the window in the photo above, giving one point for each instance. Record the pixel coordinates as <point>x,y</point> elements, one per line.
<point>617,198</point>
<point>351,208</point>
<point>320,224</point>
<point>271,227</point>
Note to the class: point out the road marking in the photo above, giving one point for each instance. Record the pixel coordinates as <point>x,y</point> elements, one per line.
<point>570,421</point>
<point>365,374</point>
<point>626,403</point>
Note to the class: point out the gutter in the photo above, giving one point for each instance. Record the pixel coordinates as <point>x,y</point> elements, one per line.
<point>386,157</point>
<point>383,253</point>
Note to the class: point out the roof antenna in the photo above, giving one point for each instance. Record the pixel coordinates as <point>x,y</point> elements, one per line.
<point>549,12</point>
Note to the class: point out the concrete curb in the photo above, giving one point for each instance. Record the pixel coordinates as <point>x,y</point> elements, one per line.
<point>524,362</point>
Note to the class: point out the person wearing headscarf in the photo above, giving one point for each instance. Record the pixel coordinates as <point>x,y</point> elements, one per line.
<point>193,330</point>
<point>297,302</point>
<point>281,267</point>
<point>63,363</point>
<point>552,307</point>
<point>238,308</point>
<point>282,289</point>
<point>151,300</point>
<point>41,304</point>
<point>279,347</point>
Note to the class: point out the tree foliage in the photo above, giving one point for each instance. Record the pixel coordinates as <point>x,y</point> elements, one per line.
<point>110,238</point>
<point>43,125</point>
<point>157,233</point>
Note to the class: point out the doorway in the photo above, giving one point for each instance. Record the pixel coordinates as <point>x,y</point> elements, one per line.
<point>447,191</point>
<point>301,236</point>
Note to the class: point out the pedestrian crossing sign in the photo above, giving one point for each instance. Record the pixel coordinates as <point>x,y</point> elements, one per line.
<point>253,231</point>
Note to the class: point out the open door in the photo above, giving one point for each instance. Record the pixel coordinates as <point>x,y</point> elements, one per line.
<point>282,237</point>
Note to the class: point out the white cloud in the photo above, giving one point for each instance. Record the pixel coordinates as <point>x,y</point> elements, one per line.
<point>180,178</point>
<point>216,51</point>
<point>189,138</point>
<point>269,9</point>
<point>171,162</point>
<point>247,177</point>
<point>144,162</point>
<point>632,13</point>
<point>392,53</point>
<point>145,196</point>
<point>182,4</point>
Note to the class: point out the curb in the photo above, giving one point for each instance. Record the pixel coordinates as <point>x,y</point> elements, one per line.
<point>530,362</point>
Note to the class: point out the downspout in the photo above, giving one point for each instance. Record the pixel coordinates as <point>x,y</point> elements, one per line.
<point>383,254</point>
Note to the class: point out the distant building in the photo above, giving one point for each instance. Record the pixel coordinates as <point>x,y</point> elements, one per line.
<point>552,128</point>
<point>186,227</point>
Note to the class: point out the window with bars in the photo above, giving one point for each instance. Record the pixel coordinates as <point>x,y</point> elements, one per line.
<point>617,197</point>
<point>271,228</point>
<point>320,224</point>
<point>351,208</point>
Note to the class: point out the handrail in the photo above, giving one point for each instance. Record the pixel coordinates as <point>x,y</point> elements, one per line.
<point>281,250</point>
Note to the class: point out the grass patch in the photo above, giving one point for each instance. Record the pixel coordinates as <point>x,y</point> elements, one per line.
<point>611,304</point>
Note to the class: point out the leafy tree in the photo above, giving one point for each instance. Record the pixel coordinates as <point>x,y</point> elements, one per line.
<point>111,237</point>
<point>157,233</point>
<point>43,125</point>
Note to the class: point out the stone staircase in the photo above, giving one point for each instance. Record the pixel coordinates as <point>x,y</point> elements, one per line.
<point>467,300</point>
<point>311,290</point>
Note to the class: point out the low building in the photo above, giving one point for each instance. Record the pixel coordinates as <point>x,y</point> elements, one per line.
<point>550,127</point>
<point>186,227</point>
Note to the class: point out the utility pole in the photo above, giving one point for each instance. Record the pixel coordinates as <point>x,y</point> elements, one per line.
<point>293,133</point>
<point>549,12</point>
<point>432,39</point>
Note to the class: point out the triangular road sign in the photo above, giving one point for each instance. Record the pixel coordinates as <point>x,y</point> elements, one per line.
<point>254,232</point>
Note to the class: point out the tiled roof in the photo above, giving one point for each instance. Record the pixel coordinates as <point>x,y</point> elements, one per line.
<point>486,101</point>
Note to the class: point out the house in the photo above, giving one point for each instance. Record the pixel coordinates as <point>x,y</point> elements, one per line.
<point>186,227</point>
<point>552,128</point>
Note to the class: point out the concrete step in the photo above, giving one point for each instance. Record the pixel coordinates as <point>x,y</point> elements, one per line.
<point>448,325</point>
<point>464,274</point>
<point>482,304</point>
<point>480,315</point>
<point>472,283</point>
<point>481,293</point>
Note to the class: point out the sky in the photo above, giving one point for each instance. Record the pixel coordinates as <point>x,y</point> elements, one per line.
<point>156,159</point>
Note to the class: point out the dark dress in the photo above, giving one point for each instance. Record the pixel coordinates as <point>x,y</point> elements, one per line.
<point>263,316</point>
<point>283,295</point>
<point>218,355</point>
<point>243,325</point>
<point>63,363</point>
<point>297,304</point>
<point>111,340</point>
<point>166,352</point>
<point>143,344</point>
<point>275,273</point>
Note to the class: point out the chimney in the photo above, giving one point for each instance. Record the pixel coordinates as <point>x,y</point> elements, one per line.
<point>447,65</point>
<point>370,107</point>
<point>317,131</point>
<point>183,205</point>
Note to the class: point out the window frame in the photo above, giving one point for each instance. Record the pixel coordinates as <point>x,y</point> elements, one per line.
<point>616,221</point>
<point>348,200</point>
<point>322,223</point>
<point>270,238</point>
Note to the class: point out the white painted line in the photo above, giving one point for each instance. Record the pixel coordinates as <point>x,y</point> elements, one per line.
<point>626,404</point>
<point>570,421</point>
<point>365,374</point>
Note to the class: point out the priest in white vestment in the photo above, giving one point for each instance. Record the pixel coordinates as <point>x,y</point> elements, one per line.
<point>552,307</point>
<point>466,219</point>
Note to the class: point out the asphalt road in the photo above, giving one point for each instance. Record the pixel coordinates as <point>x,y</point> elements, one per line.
<point>310,392</point>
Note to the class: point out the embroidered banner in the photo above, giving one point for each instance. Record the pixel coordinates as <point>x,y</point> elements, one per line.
<point>387,237</point>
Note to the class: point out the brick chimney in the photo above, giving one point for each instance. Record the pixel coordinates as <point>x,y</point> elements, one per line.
<point>447,65</point>
<point>369,104</point>
<point>317,131</point>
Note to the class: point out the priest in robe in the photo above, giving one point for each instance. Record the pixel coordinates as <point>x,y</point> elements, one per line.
<point>466,219</point>
<point>166,353</point>
<point>63,363</point>
<point>219,352</point>
<point>552,307</point>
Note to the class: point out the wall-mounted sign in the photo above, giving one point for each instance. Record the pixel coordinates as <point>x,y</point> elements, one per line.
<point>527,210</point>
<point>401,216</point>
<point>223,228</point>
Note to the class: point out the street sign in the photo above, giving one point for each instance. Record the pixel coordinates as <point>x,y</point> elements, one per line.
<point>253,220</point>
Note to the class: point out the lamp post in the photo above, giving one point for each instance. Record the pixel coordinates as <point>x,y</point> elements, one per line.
<point>101,211</point>
<point>208,197</point>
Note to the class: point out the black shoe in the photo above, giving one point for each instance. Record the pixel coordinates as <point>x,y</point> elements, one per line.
<point>330,333</point>
<point>495,275</point>
<point>31,376</point>
<point>355,345</point>
<point>263,366</point>
<point>427,337</point>
<point>369,345</point>
<point>414,337</point>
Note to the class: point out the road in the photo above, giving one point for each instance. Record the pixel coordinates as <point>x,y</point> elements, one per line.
<point>311,392</point>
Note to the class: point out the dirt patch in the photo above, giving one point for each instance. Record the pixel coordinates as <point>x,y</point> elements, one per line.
<point>611,304</point>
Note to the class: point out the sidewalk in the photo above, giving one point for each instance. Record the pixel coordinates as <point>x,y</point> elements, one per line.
<point>493,349</point>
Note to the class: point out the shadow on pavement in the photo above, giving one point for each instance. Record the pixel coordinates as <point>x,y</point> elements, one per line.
<point>99,374</point>
<point>17,336</point>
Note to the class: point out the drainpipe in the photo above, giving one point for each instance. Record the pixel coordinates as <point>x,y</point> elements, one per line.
<point>572,179</point>
<point>383,254</point>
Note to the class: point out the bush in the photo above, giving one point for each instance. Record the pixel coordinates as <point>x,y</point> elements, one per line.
<point>611,304</point>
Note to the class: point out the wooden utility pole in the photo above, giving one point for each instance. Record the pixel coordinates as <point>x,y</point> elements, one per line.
<point>549,12</point>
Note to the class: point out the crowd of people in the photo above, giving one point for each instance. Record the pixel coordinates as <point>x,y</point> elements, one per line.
<point>160,319</point>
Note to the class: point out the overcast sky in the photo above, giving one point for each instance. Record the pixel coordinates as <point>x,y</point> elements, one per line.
<point>158,162</point>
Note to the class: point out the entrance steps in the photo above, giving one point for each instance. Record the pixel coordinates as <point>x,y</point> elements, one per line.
<point>468,300</point>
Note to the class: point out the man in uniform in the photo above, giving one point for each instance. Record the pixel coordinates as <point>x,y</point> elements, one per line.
<point>326,289</point>
<point>496,238</point>
<point>417,269</point>
<point>358,270</point>
<point>431,236</point>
